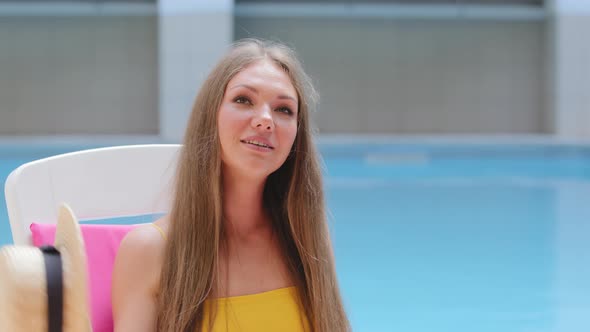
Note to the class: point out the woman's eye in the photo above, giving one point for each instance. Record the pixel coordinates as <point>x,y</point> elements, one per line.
<point>285,110</point>
<point>242,100</point>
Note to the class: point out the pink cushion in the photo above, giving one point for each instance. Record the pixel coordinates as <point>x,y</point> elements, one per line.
<point>102,242</point>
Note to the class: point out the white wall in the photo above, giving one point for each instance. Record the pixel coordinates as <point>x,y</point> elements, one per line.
<point>139,74</point>
<point>85,69</point>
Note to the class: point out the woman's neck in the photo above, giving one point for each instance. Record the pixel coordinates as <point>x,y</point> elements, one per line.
<point>243,206</point>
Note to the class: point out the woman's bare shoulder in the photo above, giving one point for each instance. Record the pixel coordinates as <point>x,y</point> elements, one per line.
<point>146,239</point>
<point>141,254</point>
<point>136,278</point>
<point>163,224</point>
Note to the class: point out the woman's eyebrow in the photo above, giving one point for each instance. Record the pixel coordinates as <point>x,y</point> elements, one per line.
<point>244,86</point>
<point>287,97</point>
<point>253,89</point>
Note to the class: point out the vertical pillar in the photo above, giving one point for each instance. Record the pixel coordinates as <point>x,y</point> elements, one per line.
<point>569,68</point>
<point>192,35</point>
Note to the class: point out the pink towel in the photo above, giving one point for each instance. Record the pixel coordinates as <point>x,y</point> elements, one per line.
<point>102,243</point>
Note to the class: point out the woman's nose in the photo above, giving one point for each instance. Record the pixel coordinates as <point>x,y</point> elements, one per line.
<point>262,120</point>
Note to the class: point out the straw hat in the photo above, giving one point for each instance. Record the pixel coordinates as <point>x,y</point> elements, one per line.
<point>23,282</point>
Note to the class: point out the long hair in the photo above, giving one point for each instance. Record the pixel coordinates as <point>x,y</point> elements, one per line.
<point>293,196</point>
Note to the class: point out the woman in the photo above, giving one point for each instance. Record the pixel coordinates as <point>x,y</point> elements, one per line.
<point>246,245</point>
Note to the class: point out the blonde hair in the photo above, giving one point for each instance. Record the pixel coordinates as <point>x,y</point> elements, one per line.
<point>293,196</point>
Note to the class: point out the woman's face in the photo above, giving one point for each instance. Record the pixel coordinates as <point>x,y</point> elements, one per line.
<point>257,120</point>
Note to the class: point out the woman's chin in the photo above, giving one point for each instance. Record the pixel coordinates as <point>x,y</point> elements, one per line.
<point>250,172</point>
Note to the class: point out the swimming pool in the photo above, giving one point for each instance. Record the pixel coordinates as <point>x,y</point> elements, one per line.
<point>449,237</point>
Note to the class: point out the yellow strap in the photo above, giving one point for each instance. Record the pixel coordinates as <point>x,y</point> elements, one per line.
<point>159,230</point>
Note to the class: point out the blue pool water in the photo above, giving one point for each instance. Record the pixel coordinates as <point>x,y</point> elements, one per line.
<point>456,238</point>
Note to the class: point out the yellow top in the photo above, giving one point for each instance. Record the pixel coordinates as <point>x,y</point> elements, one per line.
<point>275,310</point>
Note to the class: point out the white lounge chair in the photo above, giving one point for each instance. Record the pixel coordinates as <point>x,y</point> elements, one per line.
<point>97,184</point>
